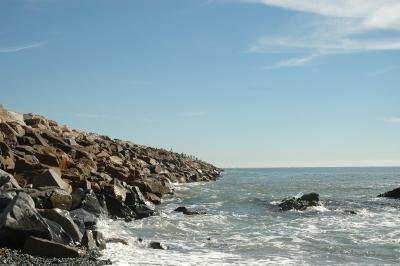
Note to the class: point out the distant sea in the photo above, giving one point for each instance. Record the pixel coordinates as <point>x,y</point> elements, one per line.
<point>241,228</point>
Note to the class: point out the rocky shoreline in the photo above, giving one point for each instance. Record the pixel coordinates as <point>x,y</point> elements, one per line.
<point>57,182</point>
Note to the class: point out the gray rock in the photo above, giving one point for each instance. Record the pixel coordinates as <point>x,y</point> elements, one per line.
<point>8,180</point>
<point>83,219</point>
<point>88,240</point>
<point>20,219</point>
<point>63,218</point>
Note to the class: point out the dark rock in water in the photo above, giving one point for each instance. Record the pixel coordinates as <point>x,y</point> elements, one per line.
<point>394,194</point>
<point>100,240</point>
<point>310,197</point>
<point>349,212</point>
<point>117,240</point>
<point>8,181</point>
<point>118,209</point>
<point>58,233</point>
<point>20,219</point>
<point>88,240</point>
<point>83,219</point>
<point>137,202</point>
<point>88,201</point>
<point>186,211</point>
<point>63,218</point>
<point>157,245</point>
<point>46,248</point>
<point>300,204</point>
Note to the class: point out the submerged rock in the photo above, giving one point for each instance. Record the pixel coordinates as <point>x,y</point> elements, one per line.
<point>157,245</point>
<point>300,204</point>
<point>186,211</point>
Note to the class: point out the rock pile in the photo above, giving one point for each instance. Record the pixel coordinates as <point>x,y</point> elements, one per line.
<point>55,182</point>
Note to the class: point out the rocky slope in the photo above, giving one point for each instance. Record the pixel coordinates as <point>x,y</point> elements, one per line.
<point>55,182</point>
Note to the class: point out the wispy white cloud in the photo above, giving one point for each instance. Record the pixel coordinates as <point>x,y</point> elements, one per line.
<point>294,62</point>
<point>14,49</point>
<point>392,119</point>
<point>334,27</point>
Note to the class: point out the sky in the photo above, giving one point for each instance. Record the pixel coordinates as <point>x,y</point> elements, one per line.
<point>239,83</point>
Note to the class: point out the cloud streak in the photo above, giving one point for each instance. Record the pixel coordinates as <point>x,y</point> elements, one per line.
<point>15,49</point>
<point>333,27</point>
<point>392,120</point>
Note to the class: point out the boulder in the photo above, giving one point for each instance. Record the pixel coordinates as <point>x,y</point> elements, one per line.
<point>10,136</point>
<point>51,177</point>
<point>88,201</point>
<point>50,197</point>
<point>300,204</point>
<point>7,181</point>
<point>118,209</point>
<point>20,219</point>
<point>394,194</point>
<point>186,211</point>
<point>116,189</point>
<point>6,198</point>
<point>157,245</point>
<point>88,240</point>
<point>137,202</point>
<point>117,240</point>
<point>83,219</point>
<point>45,248</point>
<point>25,162</point>
<point>154,185</point>
<point>152,197</point>
<point>63,218</point>
<point>100,240</point>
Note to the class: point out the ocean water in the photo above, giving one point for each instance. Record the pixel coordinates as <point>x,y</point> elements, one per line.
<point>243,227</point>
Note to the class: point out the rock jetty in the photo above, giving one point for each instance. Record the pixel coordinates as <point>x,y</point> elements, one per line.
<point>56,182</point>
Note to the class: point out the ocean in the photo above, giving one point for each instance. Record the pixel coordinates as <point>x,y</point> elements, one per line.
<point>242,226</point>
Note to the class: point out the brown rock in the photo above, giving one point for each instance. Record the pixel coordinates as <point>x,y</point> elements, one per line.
<point>152,197</point>
<point>46,248</point>
<point>51,178</point>
<point>10,136</point>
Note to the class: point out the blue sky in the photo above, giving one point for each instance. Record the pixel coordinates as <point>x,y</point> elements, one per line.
<point>241,83</point>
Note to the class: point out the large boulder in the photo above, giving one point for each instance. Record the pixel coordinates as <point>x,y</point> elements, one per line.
<point>63,218</point>
<point>137,202</point>
<point>118,209</point>
<point>20,219</point>
<point>51,197</point>
<point>45,248</point>
<point>93,240</point>
<point>83,219</point>
<point>154,185</point>
<point>7,181</point>
<point>51,178</point>
<point>300,204</point>
<point>394,194</point>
